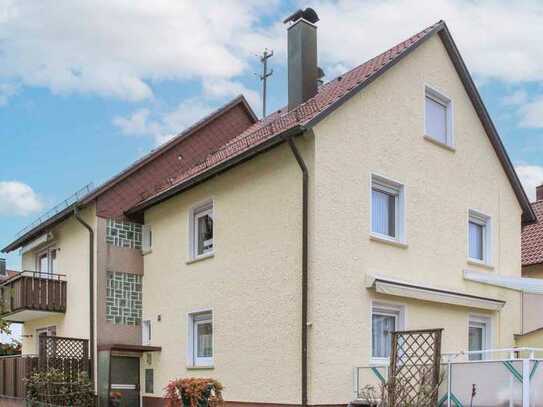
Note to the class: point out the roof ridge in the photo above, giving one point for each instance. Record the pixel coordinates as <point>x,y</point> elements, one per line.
<point>219,111</point>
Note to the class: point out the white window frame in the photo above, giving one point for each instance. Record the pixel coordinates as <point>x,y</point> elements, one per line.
<point>485,322</point>
<point>397,189</point>
<point>48,252</point>
<point>386,308</point>
<point>193,320</point>
<point>485,221</point>
<point>147,239</point>
<point>146,332</point>
<point>439,97</point>
<point>195,212</point>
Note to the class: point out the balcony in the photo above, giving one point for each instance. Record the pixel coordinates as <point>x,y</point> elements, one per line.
<point>31,295</point>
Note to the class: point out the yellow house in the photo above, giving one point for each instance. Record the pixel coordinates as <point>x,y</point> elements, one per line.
<point>280,256</point>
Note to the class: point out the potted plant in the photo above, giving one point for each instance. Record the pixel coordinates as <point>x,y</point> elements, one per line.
<point>194,392</point>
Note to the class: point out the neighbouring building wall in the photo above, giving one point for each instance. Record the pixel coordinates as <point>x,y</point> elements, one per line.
<point>381,130</point>
<point>532,317</point>
<point>71,240</point>
<point>252,284</point>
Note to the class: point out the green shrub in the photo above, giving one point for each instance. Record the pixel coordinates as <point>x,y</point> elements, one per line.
<point>54,388</point>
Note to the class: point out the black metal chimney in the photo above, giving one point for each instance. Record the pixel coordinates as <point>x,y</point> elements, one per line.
<point>303,73</point>
<point>3,267</point>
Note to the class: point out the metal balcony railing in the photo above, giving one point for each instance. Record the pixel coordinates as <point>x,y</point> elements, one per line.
<point>503,377</point>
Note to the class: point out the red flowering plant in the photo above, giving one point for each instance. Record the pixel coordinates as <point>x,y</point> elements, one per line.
<point>194,392</point>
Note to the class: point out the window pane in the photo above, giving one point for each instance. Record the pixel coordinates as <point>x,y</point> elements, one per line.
<point>44,264</point>
<point>476,341</point>
<point>383,213</point>
<point>476,240</point>
<point>205,233</point>
<point>204,334</point>
<point>382,327</point>
<point>436,120</point>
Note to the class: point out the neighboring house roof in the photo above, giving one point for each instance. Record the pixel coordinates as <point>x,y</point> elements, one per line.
<point>532,238</point>
<point>276,127</point>
<point>9,274</point>
<point>142,177</point>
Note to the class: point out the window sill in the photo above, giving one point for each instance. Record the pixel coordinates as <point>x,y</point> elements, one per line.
<point>200,258</point>
<point>479,263</point>
<point>439,143</point>
<point>386,240</point>
<point>146,252</point>
<point>206,367</point>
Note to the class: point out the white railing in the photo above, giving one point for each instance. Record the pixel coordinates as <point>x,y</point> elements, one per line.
<point>504,377</point>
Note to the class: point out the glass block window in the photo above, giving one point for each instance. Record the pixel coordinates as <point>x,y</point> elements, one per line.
<point>124,234</point>
<point>123,298</point>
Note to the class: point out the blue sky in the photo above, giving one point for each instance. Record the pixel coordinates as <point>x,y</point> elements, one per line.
<point>88,87</point>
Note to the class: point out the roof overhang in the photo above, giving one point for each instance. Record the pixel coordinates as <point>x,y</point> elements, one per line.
<point>130,348</point>
<point>527,285</point>
<point>40,229</point>
<point>217,169</point>
<point>389,286</point>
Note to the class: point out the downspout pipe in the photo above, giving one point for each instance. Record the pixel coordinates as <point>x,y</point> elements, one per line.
<point>305,211</point>
<point>91,291</point>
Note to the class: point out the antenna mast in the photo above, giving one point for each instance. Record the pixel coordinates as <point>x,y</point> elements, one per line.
<point>264,77</point>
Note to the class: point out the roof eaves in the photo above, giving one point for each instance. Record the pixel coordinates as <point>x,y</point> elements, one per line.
<point>216,170</point>
<point>39,229</point>
<point>240,99</point>
<point>528,215</point>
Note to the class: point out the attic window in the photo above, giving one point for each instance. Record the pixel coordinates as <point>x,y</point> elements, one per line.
<point>438,117</point>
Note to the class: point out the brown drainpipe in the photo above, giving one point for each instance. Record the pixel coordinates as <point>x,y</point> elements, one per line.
<point>305,205</point>
<point>91,290</point>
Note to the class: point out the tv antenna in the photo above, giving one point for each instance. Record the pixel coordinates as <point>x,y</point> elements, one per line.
<point>264,77</point>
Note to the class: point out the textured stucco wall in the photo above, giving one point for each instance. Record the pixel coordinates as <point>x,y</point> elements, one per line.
<point>252,284</point>
<point>531,340</point>
<point>72,260</point>
<point>381,130</point>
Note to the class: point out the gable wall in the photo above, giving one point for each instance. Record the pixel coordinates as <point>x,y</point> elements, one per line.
<point>381,130</point>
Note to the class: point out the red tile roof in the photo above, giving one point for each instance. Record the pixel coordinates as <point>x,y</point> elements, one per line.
<point>9,274</point>
<point>330,96</point>
<point>283,120</point>
<point>532,238</point>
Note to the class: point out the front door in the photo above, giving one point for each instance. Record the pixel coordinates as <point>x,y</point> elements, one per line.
<point>125,382</point>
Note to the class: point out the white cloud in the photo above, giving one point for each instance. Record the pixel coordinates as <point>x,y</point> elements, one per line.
<point>532,113</point>
<point>531,176</point>
<point>7,90</point>
<point>17,198</point>
<point>516,98</point>
<point>220,89</point>
<point>117,48</point>
<point>120,48</point>
<point>163,126</point>
<point>497,41</point>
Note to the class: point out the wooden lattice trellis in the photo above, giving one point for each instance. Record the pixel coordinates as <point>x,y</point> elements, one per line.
<point>69,355</point>
<point>415,368</point>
